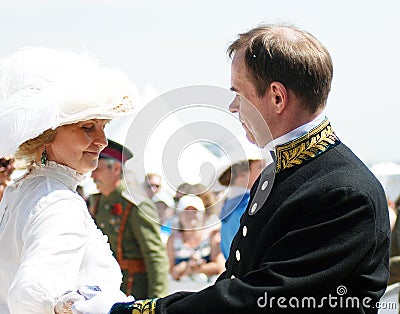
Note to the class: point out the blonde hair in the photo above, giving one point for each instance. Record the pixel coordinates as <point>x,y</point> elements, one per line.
<point>29,150</point>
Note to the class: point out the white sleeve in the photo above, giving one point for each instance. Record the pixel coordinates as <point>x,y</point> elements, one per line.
<point>54,239</point>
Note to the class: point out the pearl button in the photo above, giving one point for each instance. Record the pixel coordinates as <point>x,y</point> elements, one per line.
<point>264,185</point>
<point>253,208</point>
<point>102,225</point>
<point>233,277</point>
<point>244,231</point>
<point>238,255</point>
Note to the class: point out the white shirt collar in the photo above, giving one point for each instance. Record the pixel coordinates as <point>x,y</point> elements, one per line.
<point>68,176</point>
<point>301,130</point>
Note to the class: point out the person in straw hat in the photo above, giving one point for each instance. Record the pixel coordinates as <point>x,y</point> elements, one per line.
<point>54,105</point>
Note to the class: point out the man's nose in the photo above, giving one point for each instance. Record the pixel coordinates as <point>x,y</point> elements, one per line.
<point>235,105</point>
<point>94,173</point>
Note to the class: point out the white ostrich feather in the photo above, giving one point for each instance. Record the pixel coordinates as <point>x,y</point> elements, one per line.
<point>42,88</point>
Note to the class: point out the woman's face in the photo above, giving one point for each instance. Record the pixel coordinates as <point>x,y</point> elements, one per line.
<point>6,169</point>
<point>78,145</point>
<point>191,218</point>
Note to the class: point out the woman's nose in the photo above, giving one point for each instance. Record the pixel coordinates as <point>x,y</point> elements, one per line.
<point>101,139</point>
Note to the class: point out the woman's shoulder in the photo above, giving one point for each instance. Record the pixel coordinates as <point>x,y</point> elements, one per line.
<point>37,199</point>
<point>40,184</point>
<point>43,192</point>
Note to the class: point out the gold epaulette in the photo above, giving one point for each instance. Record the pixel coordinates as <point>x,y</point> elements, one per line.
<point>306,147</point>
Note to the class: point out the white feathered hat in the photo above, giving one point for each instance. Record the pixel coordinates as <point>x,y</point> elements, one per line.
<point>42,88</point>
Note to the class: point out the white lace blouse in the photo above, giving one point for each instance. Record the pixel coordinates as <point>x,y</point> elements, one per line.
<point>49,244</point>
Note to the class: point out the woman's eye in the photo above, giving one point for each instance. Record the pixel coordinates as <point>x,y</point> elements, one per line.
<point>87,127</point>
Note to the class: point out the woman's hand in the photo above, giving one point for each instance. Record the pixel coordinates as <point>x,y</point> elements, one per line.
<point>195,264</point>
<point>65,302</point>
<point>180,270</point>
<point>98,302</point>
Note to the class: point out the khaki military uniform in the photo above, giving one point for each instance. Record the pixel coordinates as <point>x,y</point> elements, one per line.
<point>141,239</point>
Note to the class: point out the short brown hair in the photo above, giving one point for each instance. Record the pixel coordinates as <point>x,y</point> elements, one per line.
<point>285,54</point>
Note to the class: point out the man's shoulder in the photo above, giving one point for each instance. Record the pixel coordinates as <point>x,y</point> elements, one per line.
<point>135,199</point>
<point>338,171</point>
<point>144,205</point>
<point>344,167</point>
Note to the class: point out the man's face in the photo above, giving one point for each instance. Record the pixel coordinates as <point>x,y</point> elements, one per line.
<point>154,183</point>
<point>102,174</point>
<point>254,111</point>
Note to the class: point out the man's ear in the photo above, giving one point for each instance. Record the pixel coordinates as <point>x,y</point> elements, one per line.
<point>279,96</point>
<point>117,167</point>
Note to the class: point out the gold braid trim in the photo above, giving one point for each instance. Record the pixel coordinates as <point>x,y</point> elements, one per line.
<point>308,146</point>
<point>147,306</point>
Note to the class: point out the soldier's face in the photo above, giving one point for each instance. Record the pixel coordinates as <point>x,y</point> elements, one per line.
<point>102,174</point>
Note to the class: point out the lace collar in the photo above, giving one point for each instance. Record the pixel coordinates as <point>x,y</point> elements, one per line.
<point>68,176</point>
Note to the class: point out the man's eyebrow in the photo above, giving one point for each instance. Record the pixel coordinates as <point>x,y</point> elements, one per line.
<point>233,89</point>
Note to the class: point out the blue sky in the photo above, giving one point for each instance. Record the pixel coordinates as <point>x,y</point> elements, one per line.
<point>171,44</point>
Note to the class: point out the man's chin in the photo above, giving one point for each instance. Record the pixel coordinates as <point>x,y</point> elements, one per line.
<point>250,137</point>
